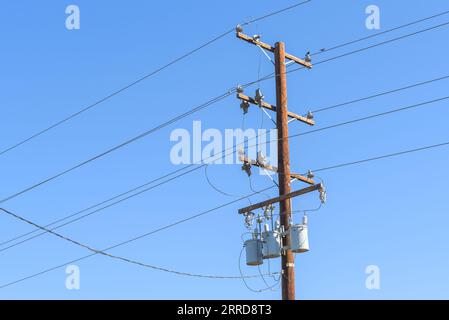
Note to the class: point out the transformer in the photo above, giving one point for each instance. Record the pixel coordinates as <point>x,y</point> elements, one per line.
<point>272,243</point>
<point>253,248</point>
<point>299,237</point>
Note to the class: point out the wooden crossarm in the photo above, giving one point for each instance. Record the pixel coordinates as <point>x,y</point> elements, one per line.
<point>280,198</point>
<point>266,46</point>
<point>275,169</point>
<point>268,106</point>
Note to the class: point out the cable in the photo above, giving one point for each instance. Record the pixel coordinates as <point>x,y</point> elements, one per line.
<point>380,33</point>
<point>273,74</point>
<point>278,12</point>
<point>90,213</point>
<point>154,72</point>
<point>379,94</point>
<point>96,251</point>
<point>233,151</point>
<point>369,117</point>
<point>244,278</point>
<point>214,187</point>
<point>206,212</point>
<point>197,109</point>
<point>382,157</point>
<point>123,144</point>
<point>133,239</point>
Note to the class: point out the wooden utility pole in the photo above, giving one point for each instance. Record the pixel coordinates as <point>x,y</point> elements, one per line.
<point>288,260</point>
<point>283,169</point>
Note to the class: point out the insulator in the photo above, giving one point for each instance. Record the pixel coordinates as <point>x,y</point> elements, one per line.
<point>244,106</point>
<point>308,57</point>
<point>309,115</point>
<point>259,96</point>
<point>247,168</point>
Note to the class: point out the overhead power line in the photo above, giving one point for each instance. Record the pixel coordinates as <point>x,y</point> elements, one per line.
<point>334,106</point>
<point>222,154</point>
<point>210,102</point>
<point>121,145</point>
<point>120,258</point>
<point>104,251</point>
<point>273,75</point>
<point>325,50</point>
<point>145,77</point>
<point>224,205</point>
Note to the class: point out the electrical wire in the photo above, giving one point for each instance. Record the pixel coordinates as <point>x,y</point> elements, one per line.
<point>145,77</point>
<point>214,187</point>
<point>208,211</point>
<point>321,109</point>
<point>370,117</point>
<point>199,108</point>
<point>244,278</point>
<point>291,136</point>
<point>273,74</point>
<point>379,33</point>
<point>123,259</point>
<point>90,213</point>
<point>121,145</point>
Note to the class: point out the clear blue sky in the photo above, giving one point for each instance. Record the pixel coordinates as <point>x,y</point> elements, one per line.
<point>391,213</point>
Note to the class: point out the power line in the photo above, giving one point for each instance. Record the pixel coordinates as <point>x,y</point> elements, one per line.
<point>380,33</point>
<point>202,107</point>
<point>272,75</point>
<point>103,252</point>
<point>233,148</point>
<point>382,157</point>
<point>378,95</point>
<point>123,144</point>
<point>370,117</point>
<point>131,261</point>
<point>144,134</point>
<point>145,77</point>
<point>95,211</point>
<point>224,205</point>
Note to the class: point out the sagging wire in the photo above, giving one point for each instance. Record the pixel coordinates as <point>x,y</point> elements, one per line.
<point>244,280</point>
<point>217,189</point>
<point>268,214</point>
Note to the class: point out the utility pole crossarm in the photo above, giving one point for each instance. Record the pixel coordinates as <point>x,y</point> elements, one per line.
<point>275,169</point>
<point>268,106</point>
<point>266,46</point>
<point>281,198</point>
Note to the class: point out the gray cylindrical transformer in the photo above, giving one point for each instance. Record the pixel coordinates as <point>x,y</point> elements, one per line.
<point>299,238</point>
<point>253,248</point>
<point>271,244</point>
